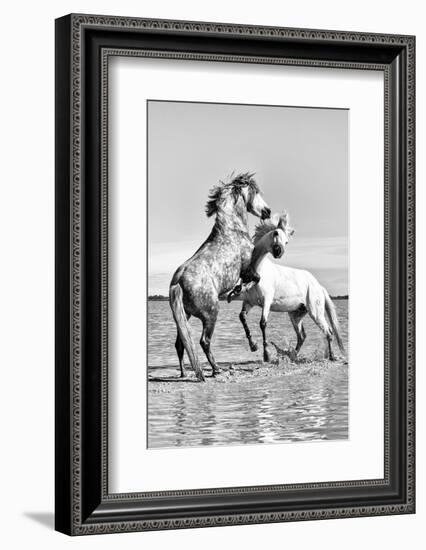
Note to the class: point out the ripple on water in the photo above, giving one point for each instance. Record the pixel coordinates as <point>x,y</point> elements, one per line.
<point>269,409</point>
<point>250,406</point>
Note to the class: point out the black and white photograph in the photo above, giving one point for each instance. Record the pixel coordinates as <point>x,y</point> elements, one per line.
<point>248,274</point>
<point>210,298</point>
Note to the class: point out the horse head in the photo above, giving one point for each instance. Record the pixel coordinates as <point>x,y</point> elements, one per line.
<point>273,235</point>
<point>239,196</point>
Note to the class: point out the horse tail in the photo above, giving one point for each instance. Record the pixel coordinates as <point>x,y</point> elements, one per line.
<point>176,304</point>
<point>332,317</point>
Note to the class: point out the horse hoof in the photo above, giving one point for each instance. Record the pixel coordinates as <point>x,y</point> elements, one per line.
<point>200,376</point>
<point>266,358</point>
<point>215,373</point>
<point>253,347</point>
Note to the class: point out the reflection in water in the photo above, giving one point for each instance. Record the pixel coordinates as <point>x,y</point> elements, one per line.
<point>297,407</point>
<point>271,404</point>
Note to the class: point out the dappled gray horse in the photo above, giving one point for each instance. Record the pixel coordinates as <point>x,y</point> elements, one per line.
<point>215,268</point>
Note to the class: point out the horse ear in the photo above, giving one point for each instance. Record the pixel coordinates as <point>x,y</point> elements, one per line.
<point>273,221</point>
<point>282,223</point>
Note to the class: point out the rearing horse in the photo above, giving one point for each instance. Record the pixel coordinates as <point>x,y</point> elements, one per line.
<point>215,267</point>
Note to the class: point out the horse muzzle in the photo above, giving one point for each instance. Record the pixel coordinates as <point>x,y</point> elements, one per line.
<point>266,213</point>
<point>277,251</point>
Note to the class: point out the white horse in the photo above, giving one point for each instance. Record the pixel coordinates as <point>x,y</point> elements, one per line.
<point>275,287</point>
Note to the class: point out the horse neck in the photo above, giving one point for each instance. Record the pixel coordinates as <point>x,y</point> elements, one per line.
<point>258,255</point>
<point>231,222</point>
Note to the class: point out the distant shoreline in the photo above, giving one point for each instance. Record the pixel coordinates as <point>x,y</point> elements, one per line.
<point>161,298</point>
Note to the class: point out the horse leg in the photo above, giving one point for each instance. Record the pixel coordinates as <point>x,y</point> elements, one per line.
<point>263,323</point>
<point>296,318</point>
<point>180,350</point>
<point>243,318</point>
<point>322,323</point>
<point>316,309</point>
<point>328,333</point>
<point>206,337</point>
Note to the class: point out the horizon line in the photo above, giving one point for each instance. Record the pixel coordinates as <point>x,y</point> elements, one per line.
<point>163,297</point>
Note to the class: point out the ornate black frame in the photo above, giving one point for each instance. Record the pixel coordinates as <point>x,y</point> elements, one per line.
<point>83,45</point>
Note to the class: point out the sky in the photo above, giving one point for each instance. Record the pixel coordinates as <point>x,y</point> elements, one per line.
<point>300,159</point>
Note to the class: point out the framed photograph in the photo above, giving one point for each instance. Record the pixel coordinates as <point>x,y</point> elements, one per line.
<point>234,274</point>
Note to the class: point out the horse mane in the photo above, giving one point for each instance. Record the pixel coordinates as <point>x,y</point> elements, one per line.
<point>265,226</point>
<point>219,193</point>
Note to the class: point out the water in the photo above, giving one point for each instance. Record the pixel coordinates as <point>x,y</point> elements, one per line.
<point>229,341</point>
<point>250,402</point>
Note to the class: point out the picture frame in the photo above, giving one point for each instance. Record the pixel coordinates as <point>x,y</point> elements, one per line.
<point>83,503</point>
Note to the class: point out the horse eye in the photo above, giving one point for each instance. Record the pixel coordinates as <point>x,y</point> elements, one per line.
<point>276,233</point>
